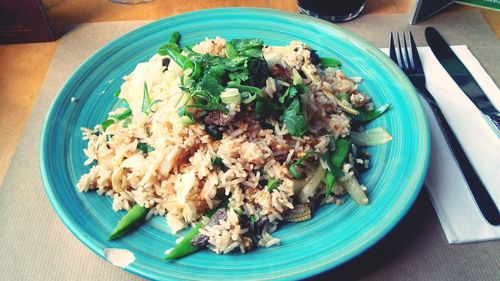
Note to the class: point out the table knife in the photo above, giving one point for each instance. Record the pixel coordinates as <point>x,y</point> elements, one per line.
<point>457,70</point>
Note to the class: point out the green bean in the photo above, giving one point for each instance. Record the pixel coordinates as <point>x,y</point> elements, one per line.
<point>172,50</point>
<point>129,222</point>
<point>184,247</point>
<point>329,62</point>
<point>335,161</point>
<point>122,115</point>
<point>174,38</point>
<point>365,116</point>
<point>342,147</point>
<point>107,123</point>
<point>194,66</point>
<point>330,180</point>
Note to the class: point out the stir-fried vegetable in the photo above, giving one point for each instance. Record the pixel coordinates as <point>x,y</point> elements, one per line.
<point>371,137</point>
<point>342,147</point>
<point>230,96</point>
<point>184,247</point>
<point>107,123</point>
<point>119,117</point>
<point>310,187</point>
<point>294,120</point>
<point>365,116</point>
<point>217,162</point>
<point>145,148</point>
<point>335,162</point>
<point>174,38</point>
<point>352,186</point>
<point>297,163</point>
<point>272,184</point>
<point>329,62</point>
<point>129,222</point>
<point>329,182</point>
<point>146,100</point>
<point>216,88</point>
<point>299,213</point>
<point>123,115</point>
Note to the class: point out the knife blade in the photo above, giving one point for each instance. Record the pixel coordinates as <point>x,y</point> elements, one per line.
<point>461,75</point>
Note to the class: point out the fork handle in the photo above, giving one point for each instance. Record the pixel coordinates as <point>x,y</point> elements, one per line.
<point>481,195</point>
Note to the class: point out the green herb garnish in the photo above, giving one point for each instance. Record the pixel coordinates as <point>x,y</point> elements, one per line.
<point>145,148</point>
<point>294,120</point>
<point>272,183</point>
<point>298,162</point>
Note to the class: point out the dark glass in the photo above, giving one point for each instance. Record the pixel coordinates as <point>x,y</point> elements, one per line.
<point>332,10</point>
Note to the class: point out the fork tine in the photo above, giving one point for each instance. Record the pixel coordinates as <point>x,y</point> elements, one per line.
<point>392,50</point>
<point>407,55</point>
<point>414,54</point>
<point>401,56</point>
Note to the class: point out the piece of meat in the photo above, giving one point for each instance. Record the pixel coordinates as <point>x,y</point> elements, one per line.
<point>201,240</point>
<point>279,71</point>
<point>248,237</point>
<point>217,118</point>
<point>314,58</point>
<point>165,62</point>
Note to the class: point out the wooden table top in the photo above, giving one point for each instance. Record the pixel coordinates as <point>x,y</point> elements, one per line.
<point>23,66</point>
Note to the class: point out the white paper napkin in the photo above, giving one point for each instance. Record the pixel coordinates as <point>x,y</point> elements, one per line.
<point>454,204</point>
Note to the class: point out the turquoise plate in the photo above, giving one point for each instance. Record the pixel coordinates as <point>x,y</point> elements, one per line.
<point>335,235</point>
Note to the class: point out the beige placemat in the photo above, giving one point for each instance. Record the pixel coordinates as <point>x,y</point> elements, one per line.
<point>36,246</point>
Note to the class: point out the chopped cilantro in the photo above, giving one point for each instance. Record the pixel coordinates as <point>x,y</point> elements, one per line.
<point>295,122</point>
<point>145,148</point>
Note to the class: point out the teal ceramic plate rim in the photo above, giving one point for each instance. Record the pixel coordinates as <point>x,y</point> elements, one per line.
<point>407,200</point>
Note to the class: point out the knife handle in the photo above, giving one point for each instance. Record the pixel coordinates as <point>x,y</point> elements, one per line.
<point>481,195</point>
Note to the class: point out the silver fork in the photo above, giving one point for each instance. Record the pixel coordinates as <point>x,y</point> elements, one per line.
<point>409,61</point>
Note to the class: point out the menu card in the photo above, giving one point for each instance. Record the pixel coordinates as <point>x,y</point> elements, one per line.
<point>489,4</point>
<point>424,9</point>
<point>23,21</point>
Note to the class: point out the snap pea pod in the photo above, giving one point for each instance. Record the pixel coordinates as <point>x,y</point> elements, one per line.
<point>329,62</point>
<point>105,124</point>
<point>172,50</point>
<point>329,182</point>
<point>337,158</point>
<point>174,38</point>
<point>194,66</point>
<point>129,222</point>
<point>184,247</point>
<point>365,116</point>
<point>123,115</point>
<point>342,147</point>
